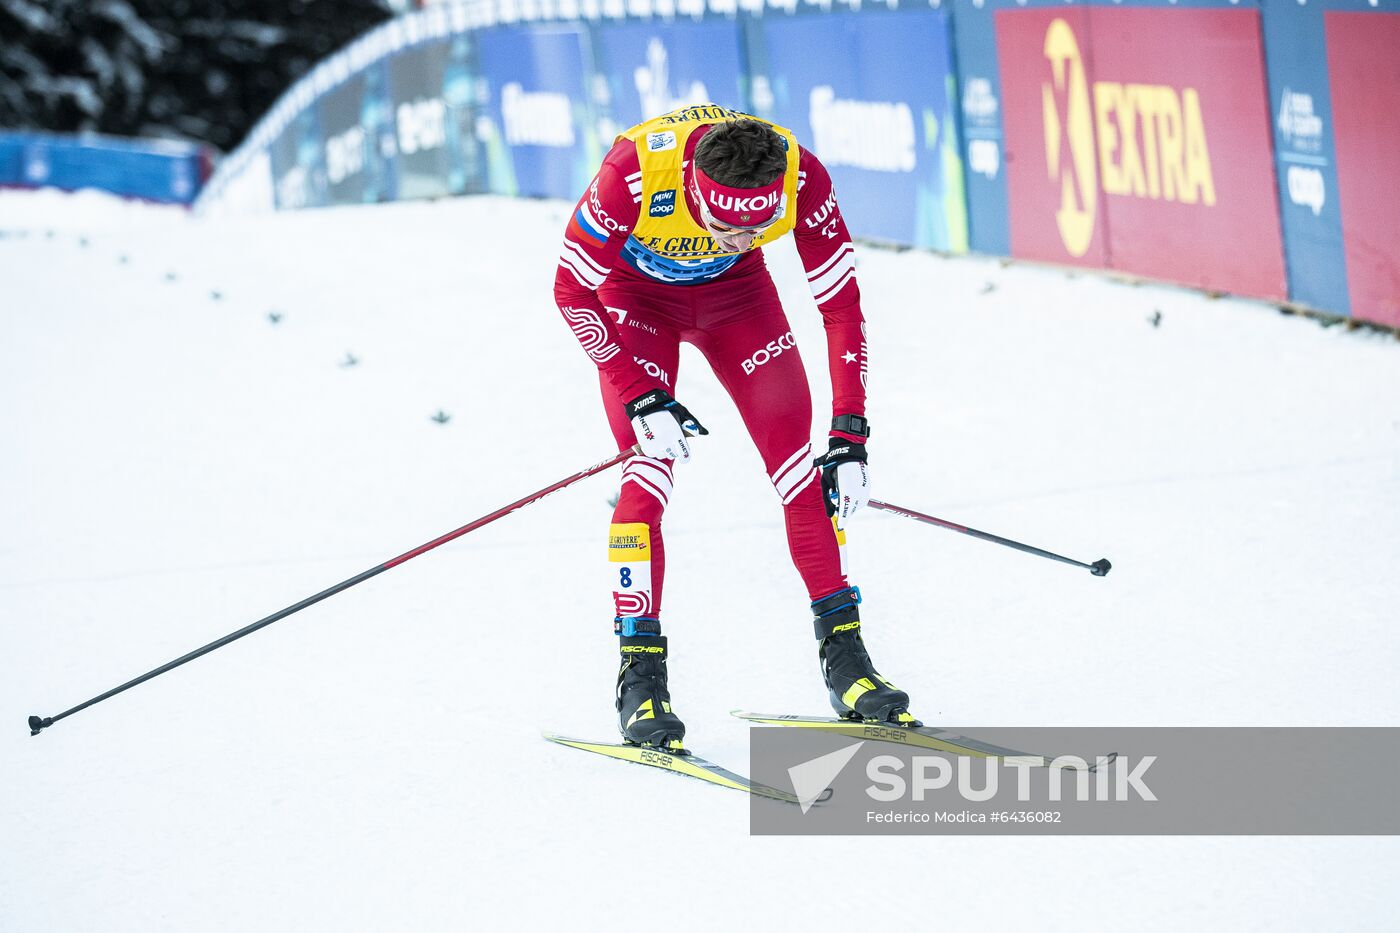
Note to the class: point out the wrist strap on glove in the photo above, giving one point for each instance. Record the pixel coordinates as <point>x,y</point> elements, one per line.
<point>840,450</point>
<point>659,400</point>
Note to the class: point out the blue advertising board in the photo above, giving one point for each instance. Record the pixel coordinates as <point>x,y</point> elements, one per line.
<point>537,127</point>
<point>871,94</point>
<point>420,121</point>
<point>298,163</point>
<point>381,139</point>
<point>653,67</point>
<point>466,166</point>
<point>12,158</point>
<point>1304,153</point>
<point>983,139</point>
<point>350,148</point>
<point>154,170</point>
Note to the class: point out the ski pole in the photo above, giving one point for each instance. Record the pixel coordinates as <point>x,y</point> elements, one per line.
<point>1098,568</point>
<point>37,723</point>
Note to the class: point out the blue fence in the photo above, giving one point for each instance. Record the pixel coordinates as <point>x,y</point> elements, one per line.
<point>154,170</point>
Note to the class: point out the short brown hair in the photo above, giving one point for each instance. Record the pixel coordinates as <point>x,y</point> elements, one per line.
<point>742,154</point>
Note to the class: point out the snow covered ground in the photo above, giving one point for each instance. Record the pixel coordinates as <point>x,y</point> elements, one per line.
<point>178,464</point>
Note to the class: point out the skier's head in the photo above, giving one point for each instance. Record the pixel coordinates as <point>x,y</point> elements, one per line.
<point>737,179</point>
<point>742,154</point>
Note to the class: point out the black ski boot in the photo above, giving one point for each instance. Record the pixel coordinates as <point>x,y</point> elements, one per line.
<point>643,703</point>
<point>855,688</point>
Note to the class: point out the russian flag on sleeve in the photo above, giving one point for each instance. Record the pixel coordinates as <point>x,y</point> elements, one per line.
<point>584,225</point>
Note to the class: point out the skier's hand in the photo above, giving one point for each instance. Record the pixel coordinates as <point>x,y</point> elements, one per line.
<point>662,424</point>
<point>845,479</point>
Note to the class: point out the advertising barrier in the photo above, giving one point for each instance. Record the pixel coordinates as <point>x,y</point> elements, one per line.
<point>354,173</point>
<point>654,67</point>
<point>1137,157</point>
<point>297,165</point>
<point>419,122</point>
<point>12,158</point>
<point>1334,83</point>
<point>1363,61</point>
<point>1234,145</point>
<point>871,94</point>
<point>538,126</point>
<point>154,170</point>
<point>517,100</point>
<point>983,143</point>
<point>1304,154</point>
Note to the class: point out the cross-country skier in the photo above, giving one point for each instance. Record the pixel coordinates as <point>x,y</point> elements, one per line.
<point>662,248</point>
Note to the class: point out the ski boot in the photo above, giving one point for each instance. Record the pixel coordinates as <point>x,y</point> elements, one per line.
<point>643,703</point>
<point>855,688</point>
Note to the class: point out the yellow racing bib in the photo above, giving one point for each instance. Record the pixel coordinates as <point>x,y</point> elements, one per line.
<point>665,229</point>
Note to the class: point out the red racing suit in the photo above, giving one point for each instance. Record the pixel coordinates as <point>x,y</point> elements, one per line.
<point>630,308</point>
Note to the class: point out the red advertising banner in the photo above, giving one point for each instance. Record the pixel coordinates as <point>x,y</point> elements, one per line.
<point>1055,203</point>
<point>1151,152</point>
<point>1363,57</point>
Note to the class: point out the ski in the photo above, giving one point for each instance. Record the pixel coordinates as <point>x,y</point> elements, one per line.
<point>676,762</point>
<point>919,736</point>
